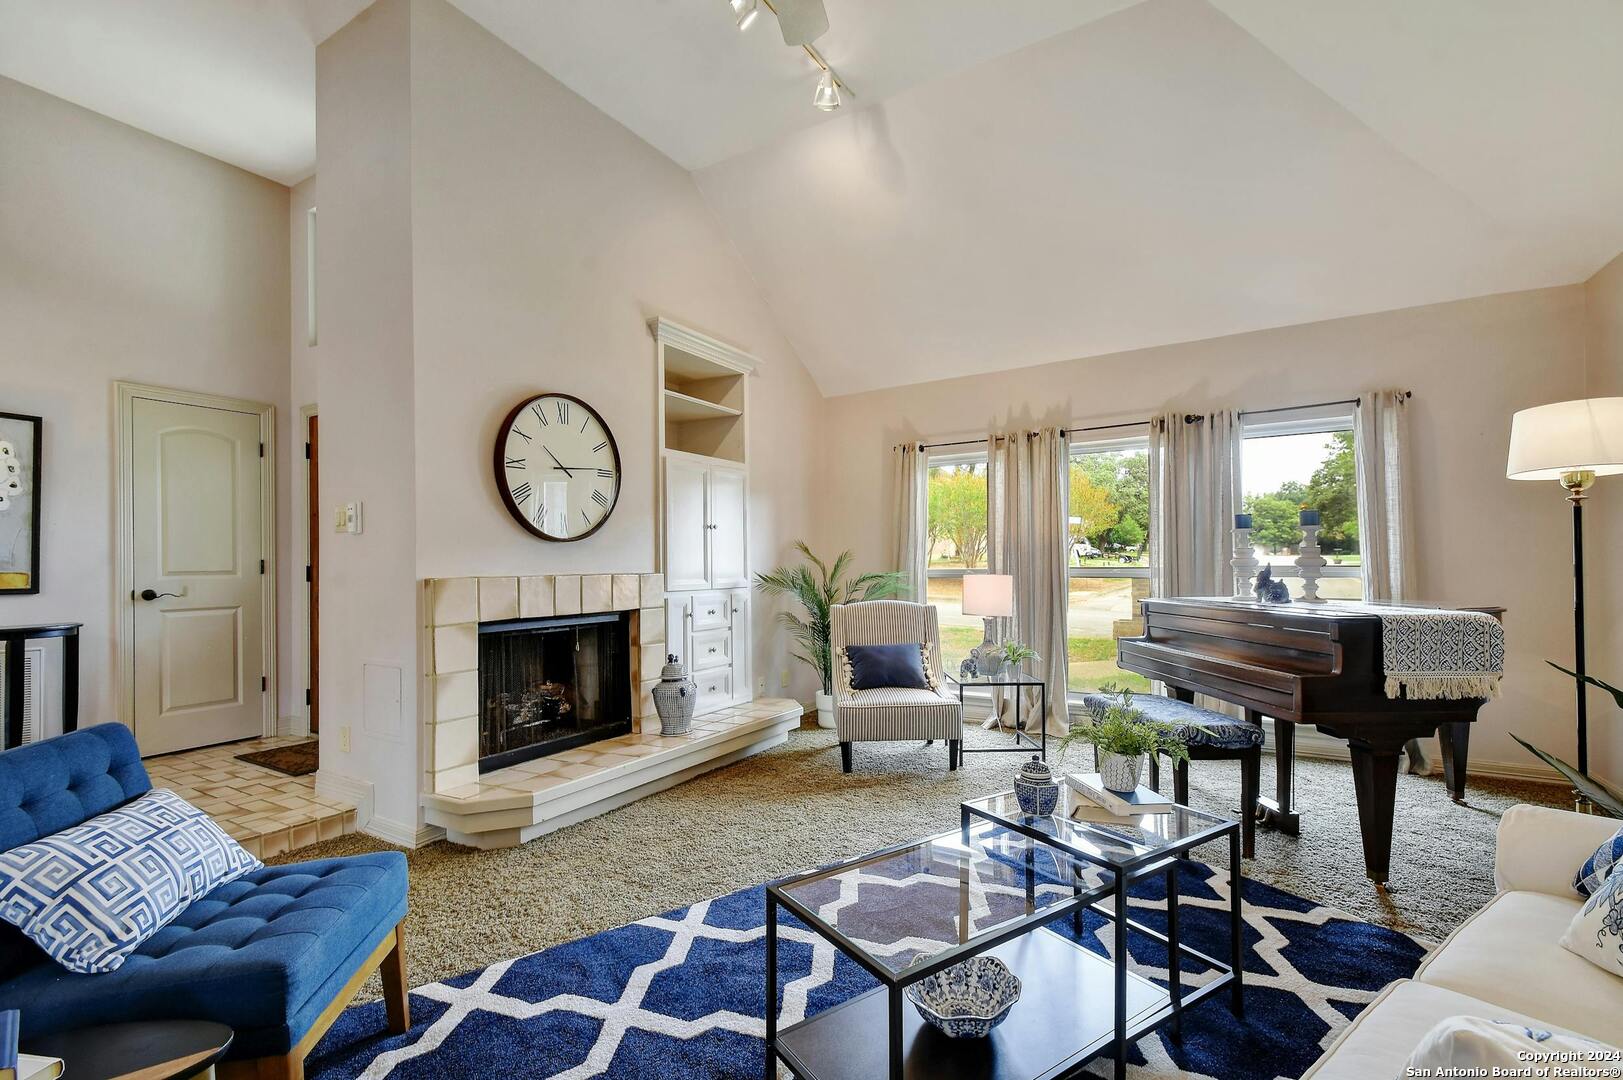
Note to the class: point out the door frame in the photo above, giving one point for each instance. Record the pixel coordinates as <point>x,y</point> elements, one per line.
<point>126,394</point>
<point>301,557</point>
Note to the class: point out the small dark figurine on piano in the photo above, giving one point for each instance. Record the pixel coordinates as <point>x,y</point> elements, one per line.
<point>1270,591</point>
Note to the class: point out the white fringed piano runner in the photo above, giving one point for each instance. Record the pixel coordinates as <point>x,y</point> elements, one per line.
<point>1433,653</point>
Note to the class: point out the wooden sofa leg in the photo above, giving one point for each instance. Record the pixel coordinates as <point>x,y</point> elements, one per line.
<point>396,999</point>
<point>285,1067</point>
<point>845,757</point>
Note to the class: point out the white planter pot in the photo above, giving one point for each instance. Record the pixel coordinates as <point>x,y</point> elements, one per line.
<point>1117,772</point>
<point>825,711</point>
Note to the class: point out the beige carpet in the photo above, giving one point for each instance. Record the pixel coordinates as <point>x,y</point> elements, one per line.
<point>791,809</point>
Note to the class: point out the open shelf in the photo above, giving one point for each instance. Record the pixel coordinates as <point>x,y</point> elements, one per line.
<point>682,408</point>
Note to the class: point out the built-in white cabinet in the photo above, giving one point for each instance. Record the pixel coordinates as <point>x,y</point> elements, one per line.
<point>704,548</point>
<point>706,526</point>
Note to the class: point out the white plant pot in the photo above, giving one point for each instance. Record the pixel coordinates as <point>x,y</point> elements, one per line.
<point>1120,773</point>
<point>825,711</point>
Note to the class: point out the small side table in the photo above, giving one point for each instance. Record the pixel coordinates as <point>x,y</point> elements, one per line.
<point>13,638</point>
<point>1020,681</point>
<point>159,1050</point>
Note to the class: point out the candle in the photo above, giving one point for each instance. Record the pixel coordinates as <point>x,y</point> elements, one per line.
<point>1308,517</point>
<point>1242,521</point>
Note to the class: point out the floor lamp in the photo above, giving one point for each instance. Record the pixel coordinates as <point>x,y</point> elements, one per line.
<point>1572,442</point>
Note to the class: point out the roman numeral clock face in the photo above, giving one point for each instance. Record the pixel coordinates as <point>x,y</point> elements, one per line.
<point>557,467</point>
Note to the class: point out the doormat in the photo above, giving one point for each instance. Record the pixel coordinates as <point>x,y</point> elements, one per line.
<point>297,760</point>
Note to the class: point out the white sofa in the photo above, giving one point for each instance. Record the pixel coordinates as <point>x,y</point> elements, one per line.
<point>1505,962</point>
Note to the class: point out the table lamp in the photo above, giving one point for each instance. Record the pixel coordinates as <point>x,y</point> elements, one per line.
<point>992,597</point>
<point>1572,442</point>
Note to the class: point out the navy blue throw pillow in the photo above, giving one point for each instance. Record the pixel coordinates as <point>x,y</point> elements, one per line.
<point>874,666</point>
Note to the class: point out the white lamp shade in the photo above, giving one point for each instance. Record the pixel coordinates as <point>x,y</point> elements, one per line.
<point>989,595</point>
<point>1567,436</point>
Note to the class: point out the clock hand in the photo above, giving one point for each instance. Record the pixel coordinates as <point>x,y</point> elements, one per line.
<point>558,463</point>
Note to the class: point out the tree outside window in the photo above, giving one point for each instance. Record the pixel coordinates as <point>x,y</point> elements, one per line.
<point>1293,466</point>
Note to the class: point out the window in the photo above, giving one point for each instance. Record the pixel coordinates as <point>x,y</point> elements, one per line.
<point>956,543</point>
<point>1304,462</point>
<point>1108,561</point>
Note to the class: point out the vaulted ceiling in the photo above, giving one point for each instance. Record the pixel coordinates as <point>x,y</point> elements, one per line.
<point>1008,184</point>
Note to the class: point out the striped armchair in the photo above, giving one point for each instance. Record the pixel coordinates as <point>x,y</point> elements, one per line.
<point>888,714</point>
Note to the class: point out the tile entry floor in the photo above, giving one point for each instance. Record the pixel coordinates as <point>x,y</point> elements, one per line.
<point>265,811</point>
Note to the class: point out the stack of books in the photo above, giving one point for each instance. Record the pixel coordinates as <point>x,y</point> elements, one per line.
<point>1135,803</point>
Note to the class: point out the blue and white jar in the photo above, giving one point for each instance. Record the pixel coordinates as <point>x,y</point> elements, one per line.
<point>1035,789</point>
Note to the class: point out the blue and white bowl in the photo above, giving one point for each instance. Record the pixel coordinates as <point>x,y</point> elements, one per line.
<point>967,1000</point>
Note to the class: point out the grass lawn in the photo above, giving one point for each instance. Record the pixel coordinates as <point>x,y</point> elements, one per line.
<point>1091,663</point>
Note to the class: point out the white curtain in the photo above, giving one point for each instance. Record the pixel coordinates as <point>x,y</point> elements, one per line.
<point>1194,475</point>
<point>1380,439</point>
<point>1028,490</point>
<point>911,548</point>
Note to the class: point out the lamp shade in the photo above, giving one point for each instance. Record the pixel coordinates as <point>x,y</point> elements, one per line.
<point>989,595</point>
<point>1567,436</point>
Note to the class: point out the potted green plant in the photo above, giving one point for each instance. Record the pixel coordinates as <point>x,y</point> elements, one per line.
<point>1590,790</point>
<point>1123,736</point>
<point>817,588</point>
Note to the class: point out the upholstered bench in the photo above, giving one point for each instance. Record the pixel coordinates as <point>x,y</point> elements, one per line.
<point>1210,736</point>
<point>276,954</point>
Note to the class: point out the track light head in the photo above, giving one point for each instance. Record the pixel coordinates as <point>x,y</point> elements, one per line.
<point>827,95</point>
<point>744,12</point>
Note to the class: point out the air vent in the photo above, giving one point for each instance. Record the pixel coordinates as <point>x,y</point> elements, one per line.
<point>32,660</point>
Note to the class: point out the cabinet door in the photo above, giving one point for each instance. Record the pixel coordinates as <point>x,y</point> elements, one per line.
<point>685,532</point>
<point>729,563</point>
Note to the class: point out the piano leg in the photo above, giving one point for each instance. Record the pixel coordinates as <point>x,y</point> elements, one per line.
<point>1456,742</point>
<point>1280,812</point>
<point>1375,779</point>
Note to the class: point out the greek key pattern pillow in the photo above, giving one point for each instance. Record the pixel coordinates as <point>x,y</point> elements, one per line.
<point>91,894</point>
<point>1595,870</point>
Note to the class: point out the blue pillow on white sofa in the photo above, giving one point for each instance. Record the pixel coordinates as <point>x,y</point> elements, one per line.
<point>91,894</point>
<point>1598,867</point>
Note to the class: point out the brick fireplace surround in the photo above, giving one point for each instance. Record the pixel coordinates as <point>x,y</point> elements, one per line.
<point>511,805</point>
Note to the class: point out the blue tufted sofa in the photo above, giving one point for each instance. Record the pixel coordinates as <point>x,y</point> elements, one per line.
<point>276,954</point>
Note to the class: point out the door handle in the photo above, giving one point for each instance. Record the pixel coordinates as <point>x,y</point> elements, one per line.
<point>153,594</point>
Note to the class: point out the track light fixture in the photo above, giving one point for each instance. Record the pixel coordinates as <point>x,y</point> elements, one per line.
<point>827,95</point>
<point>744,12</point>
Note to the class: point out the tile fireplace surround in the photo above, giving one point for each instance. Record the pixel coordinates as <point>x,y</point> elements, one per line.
<point>514,804</point>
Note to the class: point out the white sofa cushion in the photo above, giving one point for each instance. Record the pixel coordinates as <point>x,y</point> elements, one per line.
<point>1596,932</point>
<point>1476,1043</point>
<point>1379,1042</point>
<point>1539,848</point>
<point>1509,954</point>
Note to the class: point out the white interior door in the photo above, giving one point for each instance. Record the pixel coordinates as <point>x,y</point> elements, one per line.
<point>685,532</point>
<point>729,561</point>
<point>196,509</point>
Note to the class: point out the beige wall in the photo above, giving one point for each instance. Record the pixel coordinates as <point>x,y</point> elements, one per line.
<point>1482,539</point>
<point>302,392</point>
<point>1603,562</point>
<point>364,281</point>
<point>123,256</point>
<point>486,235</point>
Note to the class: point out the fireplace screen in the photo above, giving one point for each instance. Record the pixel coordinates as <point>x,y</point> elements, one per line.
<point>551,684</point>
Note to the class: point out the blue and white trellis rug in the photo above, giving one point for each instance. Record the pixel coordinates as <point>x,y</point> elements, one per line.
<point>679,996</point>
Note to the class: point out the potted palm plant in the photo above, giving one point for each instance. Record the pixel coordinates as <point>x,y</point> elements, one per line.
<point>817,587</point>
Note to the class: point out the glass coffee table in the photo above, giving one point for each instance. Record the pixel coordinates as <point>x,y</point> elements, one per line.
<point>910,911</point>
<point>1128,850</point>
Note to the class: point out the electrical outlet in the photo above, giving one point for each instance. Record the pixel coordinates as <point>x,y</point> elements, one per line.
<point>760,685</point>
<point>343,738</point>
<point>783,677</point>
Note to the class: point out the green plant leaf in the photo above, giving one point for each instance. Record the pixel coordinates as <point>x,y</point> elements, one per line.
<point>1605,797</point>
<point>1617,694</point>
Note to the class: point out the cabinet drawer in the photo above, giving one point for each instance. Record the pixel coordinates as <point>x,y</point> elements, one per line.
<point>711,611</point>
<point>711,648</point>
<point>715,689</point>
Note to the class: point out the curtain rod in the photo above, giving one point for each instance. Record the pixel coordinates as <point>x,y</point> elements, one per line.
<point>1191,418</point>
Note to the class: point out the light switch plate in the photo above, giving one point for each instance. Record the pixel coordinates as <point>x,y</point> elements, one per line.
<point>347,518</point>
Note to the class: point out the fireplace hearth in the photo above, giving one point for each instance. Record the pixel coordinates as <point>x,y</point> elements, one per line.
<point>547,685</point>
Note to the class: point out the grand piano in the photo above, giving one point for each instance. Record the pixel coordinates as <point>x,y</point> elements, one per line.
<point>1303,664</point>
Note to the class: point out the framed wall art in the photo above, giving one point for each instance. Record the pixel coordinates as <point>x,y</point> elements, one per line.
<point>20,444</point>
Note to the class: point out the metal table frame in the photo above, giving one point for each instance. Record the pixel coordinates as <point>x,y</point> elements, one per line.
<point>1022,741</point>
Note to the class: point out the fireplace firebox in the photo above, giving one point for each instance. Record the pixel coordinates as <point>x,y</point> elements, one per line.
<point>547,685</point>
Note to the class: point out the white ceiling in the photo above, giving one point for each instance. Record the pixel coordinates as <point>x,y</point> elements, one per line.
<point>1010,183</point>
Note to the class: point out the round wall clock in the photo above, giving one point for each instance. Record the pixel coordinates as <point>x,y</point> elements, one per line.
<point>557,467</point>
